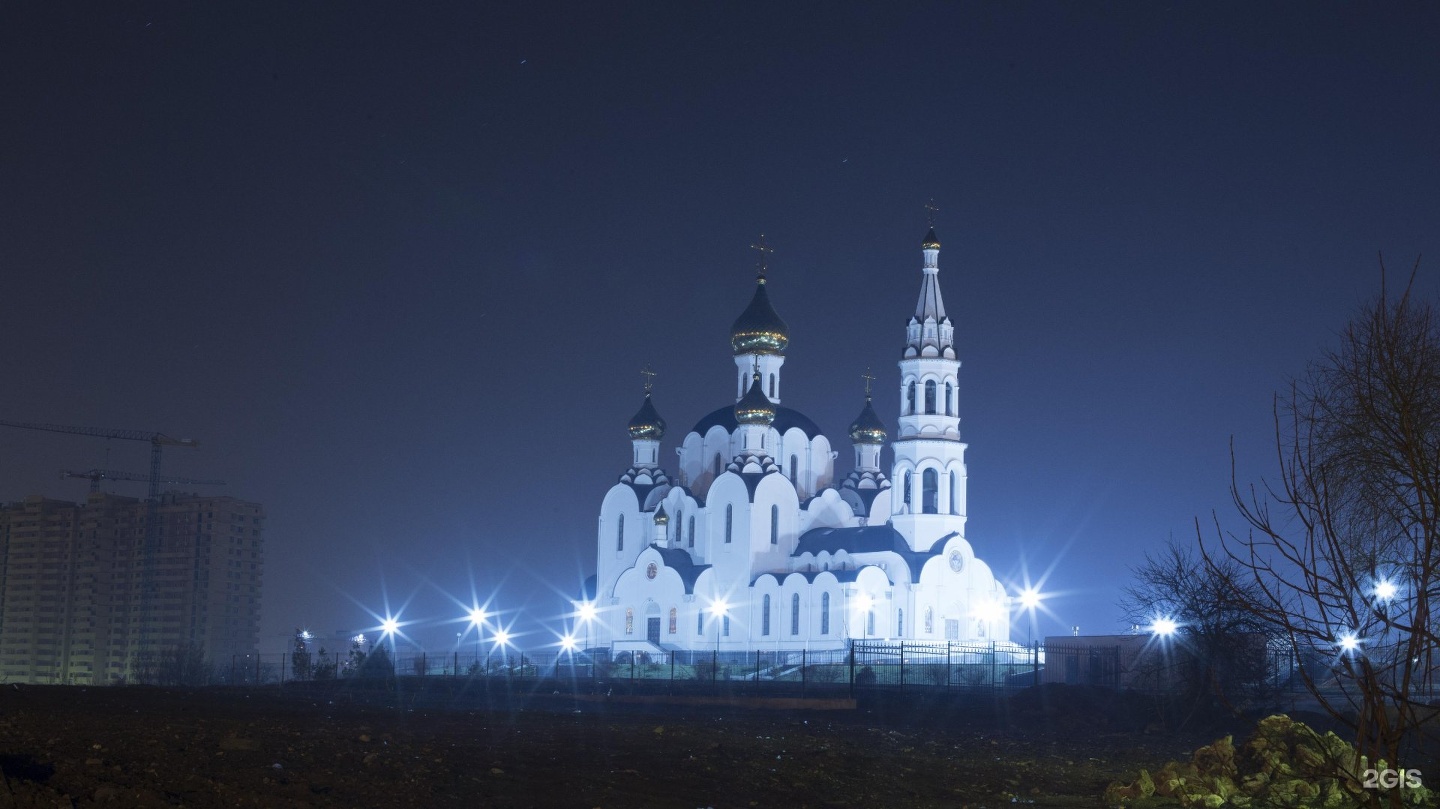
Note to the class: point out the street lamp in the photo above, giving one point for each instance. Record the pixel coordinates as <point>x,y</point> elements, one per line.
<point>1349,643</point>
<point>1030,599</point>
<point>1164,627</point>
<point>477,620</point>
<point>718,610</point>
<point>865,602</point>
<point>587,614</point>
<point>1384,590</point>
<point>502,638</point>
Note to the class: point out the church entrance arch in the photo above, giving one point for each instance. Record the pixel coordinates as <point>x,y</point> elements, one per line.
<point>652,623</point>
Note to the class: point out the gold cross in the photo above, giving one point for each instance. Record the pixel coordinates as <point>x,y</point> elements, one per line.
<point>763,248</point>
<point>931,209</point>
<point>868,377</point>
<point>649,377</point>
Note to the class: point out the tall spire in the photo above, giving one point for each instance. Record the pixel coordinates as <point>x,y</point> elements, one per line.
<point>930,333</point>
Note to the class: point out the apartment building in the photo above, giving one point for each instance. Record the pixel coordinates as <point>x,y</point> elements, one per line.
<point>72,578</point>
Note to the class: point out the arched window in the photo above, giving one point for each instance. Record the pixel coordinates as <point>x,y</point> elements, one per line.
<point>930,503</point>
<point>949,399</point>
<point>824,613</point>
<point>870,623</point>
<point>719,467</point>
<point>795,614</point>
<point>905,497</point>
<point>910,399</point>
<point>765,617</point>
<point>729,522</point>
<point>954,503</point>
<point>774,526</point>
<point>620,534</point>
<point>930,396</point>
<point>679,527</point>
<point>691,531</point>
<point>725,624</point>
<point>629,621</point>
<point>772,386</point>
<point>794,465</point>
<point>700,622</point>
<point>673,616</point>
<point>900,623</point>
<point>929,621</point>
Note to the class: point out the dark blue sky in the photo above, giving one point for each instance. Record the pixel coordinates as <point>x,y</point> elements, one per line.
<point>398,269</point>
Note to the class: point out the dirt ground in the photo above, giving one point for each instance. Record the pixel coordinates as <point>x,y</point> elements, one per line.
<point>462,744</point>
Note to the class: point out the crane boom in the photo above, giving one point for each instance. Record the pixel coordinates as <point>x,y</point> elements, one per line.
<point>128,435</point>
<point>97,475</point>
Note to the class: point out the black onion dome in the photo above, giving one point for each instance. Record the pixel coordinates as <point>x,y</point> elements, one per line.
<point>661,518</point>
<point>930,243</point>
<point>647,423</point>
<point>868,428</point>
<point>759,330</point>
<point>753,407</point>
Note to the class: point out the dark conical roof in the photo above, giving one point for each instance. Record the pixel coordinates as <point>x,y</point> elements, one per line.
<point>753,407</point>
<point>930,241</point>
<point>759,330</point>
<point>647,422</point>
<point>867,429</point>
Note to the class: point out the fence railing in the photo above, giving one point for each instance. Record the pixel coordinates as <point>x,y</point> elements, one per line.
<point>864,664</point>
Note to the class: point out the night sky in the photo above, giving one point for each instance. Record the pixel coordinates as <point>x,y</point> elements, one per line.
<point>398,268</point>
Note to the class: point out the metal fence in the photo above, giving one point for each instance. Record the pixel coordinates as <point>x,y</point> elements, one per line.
<point>876,664</point>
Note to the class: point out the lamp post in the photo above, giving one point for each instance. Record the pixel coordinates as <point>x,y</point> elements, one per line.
<point>718,610</point>
<point>477,620</point>
<point>1029,599</point>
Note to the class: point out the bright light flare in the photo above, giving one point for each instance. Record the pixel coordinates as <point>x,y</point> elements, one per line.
<point>389,626</point>
<point>1164,627</point>
<point>1030,598</point>
<point>502,637</point>
<point>1385,590</point>
<point>477,617</point>
<point>865,602</point>
<point>719,607</point>
<point>1348,642</point>
<point>989,611</point>
<point>587,611</point>
<point>567,644</point>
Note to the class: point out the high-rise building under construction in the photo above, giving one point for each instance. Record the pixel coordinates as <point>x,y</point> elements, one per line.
<point>73,606</point>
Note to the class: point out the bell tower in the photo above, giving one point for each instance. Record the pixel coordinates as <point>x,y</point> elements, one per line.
<point>928,495</point>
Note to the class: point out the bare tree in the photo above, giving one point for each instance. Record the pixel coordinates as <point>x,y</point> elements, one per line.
<point>1343,549</point>
<point>1217,647</point>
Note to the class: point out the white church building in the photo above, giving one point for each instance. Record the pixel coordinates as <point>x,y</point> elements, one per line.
<point>754,543</point>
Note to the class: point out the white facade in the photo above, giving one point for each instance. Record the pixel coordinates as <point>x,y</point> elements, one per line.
<point>754,544</point>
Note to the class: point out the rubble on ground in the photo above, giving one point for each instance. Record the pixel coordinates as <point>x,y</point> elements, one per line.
<point>1284,763</point>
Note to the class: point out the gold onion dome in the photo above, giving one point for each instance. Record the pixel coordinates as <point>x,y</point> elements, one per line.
<point>930,243</point>
<point>647,423</point>
<point>753,407</point>
<point>867,429</point>
<point>661,518</point>
<point>759,330</point>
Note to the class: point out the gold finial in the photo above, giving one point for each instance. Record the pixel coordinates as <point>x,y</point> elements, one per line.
<point>868,377</point>
<point>930,210</point>
<point>762,248</point>
<point>649,378</point>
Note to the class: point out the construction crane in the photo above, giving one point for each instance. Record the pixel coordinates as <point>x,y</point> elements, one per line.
<point>97,475</point>
<point>157,442</point>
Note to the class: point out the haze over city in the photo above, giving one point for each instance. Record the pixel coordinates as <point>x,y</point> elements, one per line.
<point>398,270</point>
